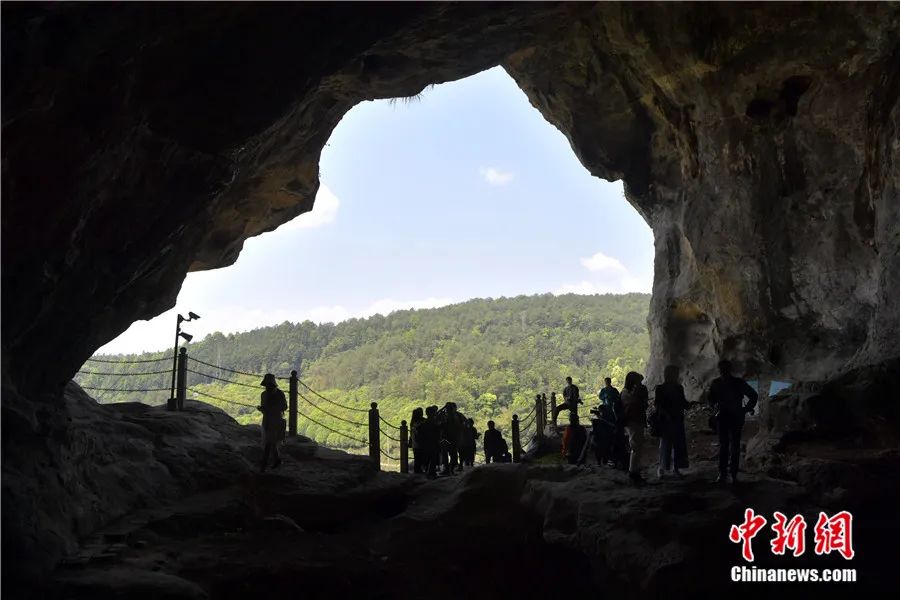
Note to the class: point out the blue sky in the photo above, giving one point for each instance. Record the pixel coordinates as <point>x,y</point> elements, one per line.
<point>465,192</point>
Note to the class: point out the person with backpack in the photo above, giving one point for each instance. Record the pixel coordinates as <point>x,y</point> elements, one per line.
<point>726,393</point>
<point>272,405</point>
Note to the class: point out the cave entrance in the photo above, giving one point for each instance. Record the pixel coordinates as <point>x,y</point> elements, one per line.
<point>462,192</point>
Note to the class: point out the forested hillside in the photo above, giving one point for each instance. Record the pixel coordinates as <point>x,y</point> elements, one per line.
<point>488,356</point>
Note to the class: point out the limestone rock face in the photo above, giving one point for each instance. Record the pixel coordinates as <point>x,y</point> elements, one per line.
<point>759,142</point>
<point>71,468</point>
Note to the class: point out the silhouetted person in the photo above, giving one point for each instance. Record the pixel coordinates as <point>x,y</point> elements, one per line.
<point>495,447</point>
<point>571,400</point>
<point>726,393</point>
<point>610,413</point>
<point>418,416</point>
<point>603,431</point>
<point>608,394</point>
<point>634,403</point>
<point>429,437</point>
<point>272,405</point>
<point>450,429</point>
<point>670,404</point>
<point>467,443</point>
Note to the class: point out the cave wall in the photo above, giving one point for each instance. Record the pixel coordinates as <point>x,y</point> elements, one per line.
<point>759,142</point>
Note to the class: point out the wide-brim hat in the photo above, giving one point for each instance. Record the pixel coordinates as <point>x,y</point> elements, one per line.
<point>269,379</point>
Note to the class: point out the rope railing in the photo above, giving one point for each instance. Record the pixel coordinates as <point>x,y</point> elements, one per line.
<point>256,387</point>
<point>388,436</point>
<point>128,362</point>
<point>332,415</point>
<point>116,374</point>
<point>196,391</point>
<point>341,433</point>
<point>99,389</point>
<point>524,426</point>
<point>525,429</point>
<point>301,382</point>
<point>385,454</point>
<point>529,415</point>
<point>220,367</point>
<point>388,423</point>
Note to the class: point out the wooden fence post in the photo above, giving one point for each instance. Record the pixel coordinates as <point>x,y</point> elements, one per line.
<point>181,379</point>
<point>374,437</point>
<point>553,406</point>
<point>404,447</point>
<point>292,404</point>
<point>516,442</point>
<point>539,417</point>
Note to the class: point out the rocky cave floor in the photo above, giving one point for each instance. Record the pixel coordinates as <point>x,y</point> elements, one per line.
<point>326,525</point>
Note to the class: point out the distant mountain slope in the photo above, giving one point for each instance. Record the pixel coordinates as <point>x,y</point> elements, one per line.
<point>490,356</point>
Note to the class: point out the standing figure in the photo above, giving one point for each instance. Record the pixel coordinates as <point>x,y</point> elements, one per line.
<point>571,400</point>
<point>495,447</point>
<point>726,393</point>
<point>634,404</point>
<point>611,408</point>
<point>428,436</point>
<point>450,429</point>
<point>467,443</point>
<point>670,405</point>
<point>272,405</point>
<point>417,418</point>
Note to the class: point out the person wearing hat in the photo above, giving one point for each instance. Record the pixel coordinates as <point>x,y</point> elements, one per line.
<point>272,405</point>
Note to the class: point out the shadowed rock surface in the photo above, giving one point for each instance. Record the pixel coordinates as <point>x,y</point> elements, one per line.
<point>757,140</point>
<point>140,142</point>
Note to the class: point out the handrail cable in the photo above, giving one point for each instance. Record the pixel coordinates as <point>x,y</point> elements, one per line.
<point>113,373</point>
<point>235,371</point>
<point>127,362</point>
<point>350,437</point>
<point>388,436</point>
<point>388,455</point>
<point>388,423</point>
<point>99,389</point>
<point>219,399</point>
<point>303,383</point>
<point>330,414</point>
<point>256,387</point>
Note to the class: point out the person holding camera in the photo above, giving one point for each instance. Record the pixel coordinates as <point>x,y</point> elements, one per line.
<point>727,393</point>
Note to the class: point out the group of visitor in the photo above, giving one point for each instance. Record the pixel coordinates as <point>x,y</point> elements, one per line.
<point>443,441</point>
<point>619,422</point>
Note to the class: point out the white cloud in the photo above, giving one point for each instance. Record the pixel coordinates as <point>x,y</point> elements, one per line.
<point>495,176</point>
<point>602,262</point>
<point>324,212</point>
<point>610,277</point>
<point>623,285</point>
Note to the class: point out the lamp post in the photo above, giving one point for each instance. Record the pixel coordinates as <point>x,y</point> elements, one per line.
<point>187,337</point>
